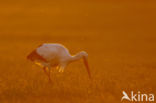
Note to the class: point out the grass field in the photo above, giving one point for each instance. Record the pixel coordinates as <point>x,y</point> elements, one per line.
<point>118,36</point>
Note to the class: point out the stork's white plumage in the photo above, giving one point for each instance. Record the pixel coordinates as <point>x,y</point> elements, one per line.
<point>56,55</point>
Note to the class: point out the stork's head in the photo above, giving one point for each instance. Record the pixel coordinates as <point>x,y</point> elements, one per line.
<point>85,60</point>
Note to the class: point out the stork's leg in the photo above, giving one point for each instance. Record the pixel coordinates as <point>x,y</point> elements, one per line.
<point>47,73</point>
<point>58,67</point>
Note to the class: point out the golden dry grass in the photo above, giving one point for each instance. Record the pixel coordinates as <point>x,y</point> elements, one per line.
<point>118,36</point>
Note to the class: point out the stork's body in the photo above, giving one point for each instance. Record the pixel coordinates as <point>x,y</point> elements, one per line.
<point>55,55</point>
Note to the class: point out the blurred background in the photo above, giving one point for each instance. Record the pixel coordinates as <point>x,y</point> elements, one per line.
<point>119,37</point>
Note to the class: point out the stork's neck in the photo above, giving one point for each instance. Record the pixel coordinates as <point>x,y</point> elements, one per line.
<point>78,56</point>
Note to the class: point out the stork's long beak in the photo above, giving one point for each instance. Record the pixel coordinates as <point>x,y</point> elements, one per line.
<point>85,60</point>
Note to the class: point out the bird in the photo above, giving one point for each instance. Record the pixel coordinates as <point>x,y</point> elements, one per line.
<point>49,55</point>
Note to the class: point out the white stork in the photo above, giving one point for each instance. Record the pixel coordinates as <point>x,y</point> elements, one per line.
<point>50,55</point>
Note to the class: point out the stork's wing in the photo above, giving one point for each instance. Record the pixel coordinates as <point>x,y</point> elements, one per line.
<point>47,52</point>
